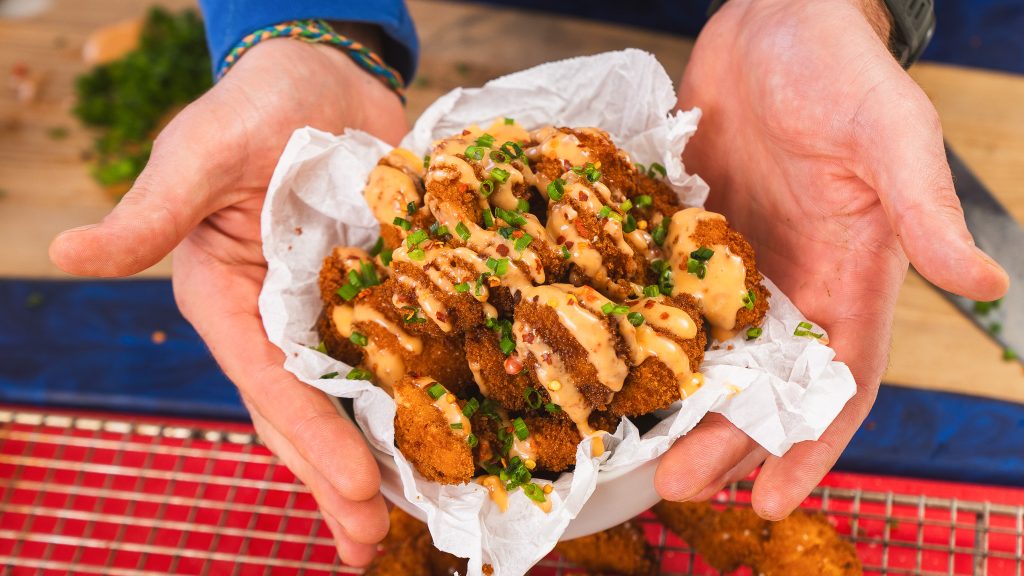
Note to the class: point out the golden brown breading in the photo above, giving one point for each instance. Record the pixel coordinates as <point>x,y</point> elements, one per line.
<point>409,557</point>
<point>652,385</point>
<point>403,527</point>
<point>616,170</point>
<point>717,231</point>
<point>462,311</point>
<point>544,320</point>
<point>807,544</point>
<point>622,549</point>
<point>337,265</point>
<point>664,199</point>
<point>424,435</point>
<point>726,540</point>
<point>337,347</point>
<point>487,362</point>
<point>554,439</point>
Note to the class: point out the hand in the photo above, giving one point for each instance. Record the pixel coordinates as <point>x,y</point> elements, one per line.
<point>201,196</point>
<point>829,158</point>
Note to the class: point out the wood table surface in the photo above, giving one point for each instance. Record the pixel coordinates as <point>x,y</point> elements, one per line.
<point>45,185</point>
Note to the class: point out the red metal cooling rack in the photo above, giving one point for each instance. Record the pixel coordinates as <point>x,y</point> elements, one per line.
<point>120,495</point>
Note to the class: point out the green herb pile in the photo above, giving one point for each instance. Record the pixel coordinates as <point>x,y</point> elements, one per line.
<point>127,99</point>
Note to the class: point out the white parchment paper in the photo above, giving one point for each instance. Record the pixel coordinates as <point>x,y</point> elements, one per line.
<point>779,389</point>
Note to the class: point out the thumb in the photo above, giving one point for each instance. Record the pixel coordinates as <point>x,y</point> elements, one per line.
<point>170,196</point>
<point>900,137</point>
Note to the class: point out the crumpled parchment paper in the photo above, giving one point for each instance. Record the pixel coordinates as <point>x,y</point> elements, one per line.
<point>779,389</point>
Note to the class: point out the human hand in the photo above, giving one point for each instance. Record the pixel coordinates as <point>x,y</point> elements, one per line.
<point>829,158</point>
<point>201,195</point>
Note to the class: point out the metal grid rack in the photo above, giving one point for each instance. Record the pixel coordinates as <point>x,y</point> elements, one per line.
<point>109,495</point>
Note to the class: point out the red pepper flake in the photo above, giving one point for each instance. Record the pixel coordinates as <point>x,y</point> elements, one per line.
<point>528,337</point>
<point>560,240</point>
<point>580,226</point>
<point>441,316</point>
<point>502,249</point>
<point>583,196</point>
<point>463,187</point>
<point>517,234</point>
<point>513,365</point>
<point>664,315</point>
<point>546,357</point>
<point>464,132</point>
<point>569,244</point>
<point>649,304</point>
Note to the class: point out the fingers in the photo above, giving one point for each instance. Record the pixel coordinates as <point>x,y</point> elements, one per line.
<point>700,460</point>
<point>351,552</point>
<point>898,135</point>
<point>167,200</point>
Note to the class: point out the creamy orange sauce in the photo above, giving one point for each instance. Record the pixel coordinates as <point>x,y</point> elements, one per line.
<point>387,365</point>
<point>723,288</point>
<point>447,405</point>
<point>496,489</point>
<point>553,143</point>
<point>653,339</point>
<point>597,445</point>
<point>388,192</point>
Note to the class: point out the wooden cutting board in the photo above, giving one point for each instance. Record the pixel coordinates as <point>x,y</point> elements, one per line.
<point>45,185</point>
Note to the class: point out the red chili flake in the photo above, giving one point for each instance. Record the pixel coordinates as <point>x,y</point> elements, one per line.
<point>463,187</point>
<point>569,244</point>
<point>566,165</point>
<point>649,304</point>
<point>502,249</point>
<point>441,316</point>
<point>580,226</point>
<point>546,357</point>
<point>560,240</point>
<point>517,234</point>
<point>464,132</point>
<point>528,337</point>
<point>513,365</point>
<point>664,315</point>
<point>583,196</point>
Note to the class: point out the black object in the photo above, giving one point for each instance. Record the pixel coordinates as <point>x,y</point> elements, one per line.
<point>913,23</point>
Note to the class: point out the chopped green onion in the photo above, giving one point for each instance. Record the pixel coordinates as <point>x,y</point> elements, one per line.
<point>358,374</point>
<point>426,160</point>
<point>436,391</point>
<point>441,230</point>
<point>626,206</point>
<point>629,224</point>
<point>804,329</point>
<point>488,218</point>
<point>604,212</point>
<point>355,279</point>
<point>660,231</point>
<point>509,121</point>
<point>1009,354</point>
<point>507,345</point>
<point>534,492</point>
<point>656,168</point>
<point>753,333</point>
<point>462,287</point>
<point>523,242</point>
<point>522,205</point>
<point>590,171</point>
<point>565,252</point>
<point>512,150</point>
<point>663,271</point>
<point>417,254</point>
<point>385,257</point>
<point>552,408</point>
<point>486,188</point>
<point>613,308</point>
<point>635,318</point>
<point>402,223</point>
<point>498,265</point>
<point>456,425</point>
<point>986,307</point>
<point>499,157</point>
<point>475,152</point>
<point>556,189</point>
<point>522,432</point>
<point>413,315</point>
<point>416,237</point>
<point>533,398</point>
<point>329,376</point>
<point>499,175</point>
<point>472,440</point>
<point>377,246</point>
<point>462,231</point>
<point>749,300</point>
<point>703,254</point>
<point>485,140</point>
<point>410,208</point>
<point>696,267</point>
<point>348,292</point>
<point>651,291</point>
<point>512,218</point>
<point>470,408</point>
<point>506,232</point>
<point>321,347</point>
<point>359,339</point>
<point>643,200</point>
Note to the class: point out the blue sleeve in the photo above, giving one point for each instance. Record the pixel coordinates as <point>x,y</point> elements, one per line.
<point>228,21</point>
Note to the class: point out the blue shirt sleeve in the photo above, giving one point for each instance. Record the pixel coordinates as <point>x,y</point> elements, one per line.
<point>228,21</point>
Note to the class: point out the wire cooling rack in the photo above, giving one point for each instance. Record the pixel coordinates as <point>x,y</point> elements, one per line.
<point>117,495</point>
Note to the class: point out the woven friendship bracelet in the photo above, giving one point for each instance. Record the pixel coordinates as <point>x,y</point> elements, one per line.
<point>319,31</point>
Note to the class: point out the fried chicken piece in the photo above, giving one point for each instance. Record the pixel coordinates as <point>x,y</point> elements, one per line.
<point>333,275</point>
<point>449,311</point>
<point>404,526</point>
<point>393,185</point>
<point>664,199</point>
<point>727,308</point>
<point>807,544</point>
<point>556,150</point>
<point>409,557</point>
<point>622,549</point>
<point>431,432</point>
<point>488,364</point>
<point>653,385</point>
<point>554,439</point>
<point>726,539</point>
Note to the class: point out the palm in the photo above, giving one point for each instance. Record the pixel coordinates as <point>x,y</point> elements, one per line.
<point>828,157</point>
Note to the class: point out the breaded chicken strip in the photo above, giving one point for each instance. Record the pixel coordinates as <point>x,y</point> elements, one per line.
<point>622,549</point>
<point>333,275</point>
<point>555,151</point>
<point>654,384</point>
<point>432,431</point>
<point>409,557</point>
<point>490,367</point>
<point>393,190</point>
<point>726,540</point>
<point>807,544</point>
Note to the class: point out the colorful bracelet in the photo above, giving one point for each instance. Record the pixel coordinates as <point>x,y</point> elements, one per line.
<point>319,31</point>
